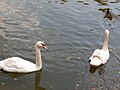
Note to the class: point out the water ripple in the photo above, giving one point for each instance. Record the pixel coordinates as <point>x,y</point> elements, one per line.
<point>72,30</point>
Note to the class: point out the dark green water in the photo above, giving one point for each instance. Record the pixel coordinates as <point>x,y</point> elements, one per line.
<point>72,30</point>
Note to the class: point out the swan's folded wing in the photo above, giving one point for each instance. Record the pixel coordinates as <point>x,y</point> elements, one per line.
<point>16,64</point>
<point>12,63</point>
<point>101,54</point>
<point>95,53</point>
<point>104,55</point>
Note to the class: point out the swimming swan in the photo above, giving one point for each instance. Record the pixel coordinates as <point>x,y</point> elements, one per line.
<point>100,56</point>
<point>19,65</point>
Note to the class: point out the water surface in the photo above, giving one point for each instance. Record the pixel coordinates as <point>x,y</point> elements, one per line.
<point>72,30</point>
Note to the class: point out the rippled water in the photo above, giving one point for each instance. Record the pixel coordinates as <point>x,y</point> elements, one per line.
<point>72,30</point>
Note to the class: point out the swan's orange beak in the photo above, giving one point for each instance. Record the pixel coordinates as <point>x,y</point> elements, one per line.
<point>45,46</point>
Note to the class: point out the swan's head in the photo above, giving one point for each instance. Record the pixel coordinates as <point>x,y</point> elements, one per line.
<point>106,31</point>
<point>41,44</point>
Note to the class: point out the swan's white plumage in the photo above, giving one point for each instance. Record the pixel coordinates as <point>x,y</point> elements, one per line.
<point>101,56</point>
<point>17,64</point>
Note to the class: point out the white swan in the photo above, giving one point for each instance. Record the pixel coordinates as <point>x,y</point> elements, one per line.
<point>100,56</point>
<point>19,65</point>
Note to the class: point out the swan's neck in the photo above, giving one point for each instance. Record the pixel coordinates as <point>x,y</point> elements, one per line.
<point>105,44</point>
<point>38,57</point>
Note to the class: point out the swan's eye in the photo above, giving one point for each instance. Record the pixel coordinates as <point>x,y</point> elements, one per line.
<point>44,46</point>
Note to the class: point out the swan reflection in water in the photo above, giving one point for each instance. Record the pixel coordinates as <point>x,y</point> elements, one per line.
<point>37,81</point>
<point>37,78</point>
<point>101,69</point>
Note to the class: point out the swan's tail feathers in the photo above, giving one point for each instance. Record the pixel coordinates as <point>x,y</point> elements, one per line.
<point>95,61</point>
<point>1,65</point>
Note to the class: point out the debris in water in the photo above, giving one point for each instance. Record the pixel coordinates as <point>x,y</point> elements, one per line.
<point>3,84</point>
